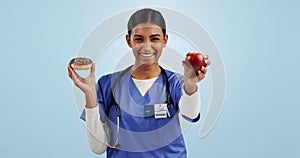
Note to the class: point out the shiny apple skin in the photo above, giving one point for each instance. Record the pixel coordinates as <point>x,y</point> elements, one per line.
<point>196,59</point>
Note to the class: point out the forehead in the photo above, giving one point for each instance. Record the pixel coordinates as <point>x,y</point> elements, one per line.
<point>147,28</point>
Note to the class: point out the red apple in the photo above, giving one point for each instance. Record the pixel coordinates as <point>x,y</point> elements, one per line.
<point>196,59</point>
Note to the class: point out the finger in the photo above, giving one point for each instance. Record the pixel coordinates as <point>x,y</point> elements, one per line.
<point>207,62</point>
<point>200,75</point>
<point>187,65</point>
<point>188,69</point>
<point>203,70</point>
<point>69,71</point>
<point>205,56</point>
<point>74,76</point>
<point>92,70</point>
<point>76,79</point>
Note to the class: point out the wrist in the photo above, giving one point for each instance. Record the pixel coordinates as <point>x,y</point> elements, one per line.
<point>190,88</point>
<point>91,99</point>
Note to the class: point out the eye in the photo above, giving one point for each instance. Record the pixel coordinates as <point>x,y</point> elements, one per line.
<point>138,39</point>
<point>155,39</point>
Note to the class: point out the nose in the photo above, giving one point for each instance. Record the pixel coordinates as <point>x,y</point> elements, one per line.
<point>147,47</point>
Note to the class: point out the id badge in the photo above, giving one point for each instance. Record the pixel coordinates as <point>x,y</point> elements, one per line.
<point>156,111</point>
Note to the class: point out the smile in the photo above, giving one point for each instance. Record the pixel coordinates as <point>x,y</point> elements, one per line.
<point>147,55</point>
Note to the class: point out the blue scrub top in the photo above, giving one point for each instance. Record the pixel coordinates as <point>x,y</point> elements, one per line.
<point>139,136</point>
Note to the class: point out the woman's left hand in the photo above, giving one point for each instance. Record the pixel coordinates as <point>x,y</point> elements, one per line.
<point>192,77</point>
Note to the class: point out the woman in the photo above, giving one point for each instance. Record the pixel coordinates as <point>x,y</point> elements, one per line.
<point>135,112</point>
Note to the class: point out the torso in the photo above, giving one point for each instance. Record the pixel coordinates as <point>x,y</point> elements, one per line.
<point>140,137</point>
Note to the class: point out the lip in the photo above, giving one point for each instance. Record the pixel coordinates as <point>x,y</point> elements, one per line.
<point>147,55</point>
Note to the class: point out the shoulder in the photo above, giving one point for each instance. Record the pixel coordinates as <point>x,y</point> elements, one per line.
<point>175,79</point>
<point>108,78</point>
<point>174,76</point>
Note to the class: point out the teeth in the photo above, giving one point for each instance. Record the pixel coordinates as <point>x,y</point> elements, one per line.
<point>147,55</point>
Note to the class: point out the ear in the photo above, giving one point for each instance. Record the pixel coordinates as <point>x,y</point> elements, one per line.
<point>128,41</point>
<point>165,40</point>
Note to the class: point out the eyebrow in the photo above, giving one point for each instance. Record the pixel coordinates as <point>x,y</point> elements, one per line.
<point>150,36</point>
<point>155,35</point>
<point>138,36</point>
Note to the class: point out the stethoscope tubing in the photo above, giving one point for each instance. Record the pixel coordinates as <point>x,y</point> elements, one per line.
<point>114,103</point>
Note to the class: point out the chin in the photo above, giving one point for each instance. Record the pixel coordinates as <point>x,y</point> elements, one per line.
<point>147,64</point>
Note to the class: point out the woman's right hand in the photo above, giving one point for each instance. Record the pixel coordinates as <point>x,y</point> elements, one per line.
<point>87,85</point>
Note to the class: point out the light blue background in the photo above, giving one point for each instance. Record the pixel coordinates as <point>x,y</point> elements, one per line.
<point>258,41</point>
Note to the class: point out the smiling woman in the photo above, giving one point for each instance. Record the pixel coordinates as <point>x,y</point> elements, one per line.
<point>147,42</point>
<point>135,112</point>
<point>147,37</point>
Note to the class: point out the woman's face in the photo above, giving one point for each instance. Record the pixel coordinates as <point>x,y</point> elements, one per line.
<point>147,41</point>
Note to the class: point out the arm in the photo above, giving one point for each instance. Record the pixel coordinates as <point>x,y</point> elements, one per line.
<point>189,103</point>
<point>95,131</point>
<point>94,128</point>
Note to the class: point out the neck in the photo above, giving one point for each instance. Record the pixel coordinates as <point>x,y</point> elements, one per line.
<point>143,72</point>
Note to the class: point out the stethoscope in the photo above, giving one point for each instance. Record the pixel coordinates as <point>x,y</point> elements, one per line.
<point>169,103</point>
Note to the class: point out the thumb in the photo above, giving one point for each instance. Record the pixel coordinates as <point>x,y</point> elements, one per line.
<point>186,64</point>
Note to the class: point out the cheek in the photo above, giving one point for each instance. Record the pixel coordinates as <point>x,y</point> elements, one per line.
<point>158,47</point>
<point>135,49</point>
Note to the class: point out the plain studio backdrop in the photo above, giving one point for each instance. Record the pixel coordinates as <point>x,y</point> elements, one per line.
<point>257,41</point>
